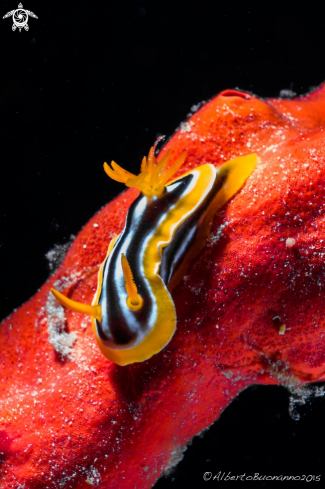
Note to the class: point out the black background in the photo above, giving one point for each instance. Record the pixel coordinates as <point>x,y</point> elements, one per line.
<point>95,81</point>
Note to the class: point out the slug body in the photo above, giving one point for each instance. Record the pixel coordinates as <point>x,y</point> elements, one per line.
<point>133,313</point>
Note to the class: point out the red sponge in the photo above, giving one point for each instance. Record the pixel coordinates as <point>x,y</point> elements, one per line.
<point>250,310</point>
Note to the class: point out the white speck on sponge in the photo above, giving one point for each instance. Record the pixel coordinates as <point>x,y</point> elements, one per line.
<point>56,255</point>
<point>61,341</point>
<point>93,476</point>
<point>290,242</point>
<point>186,126</point>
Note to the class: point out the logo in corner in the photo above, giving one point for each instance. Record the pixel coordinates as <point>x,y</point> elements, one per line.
<point>20,18</point>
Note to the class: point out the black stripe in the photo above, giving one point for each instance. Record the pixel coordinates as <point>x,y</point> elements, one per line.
<point>120,326</point>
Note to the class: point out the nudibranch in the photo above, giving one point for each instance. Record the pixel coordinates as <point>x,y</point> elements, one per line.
<point>133,313</point>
